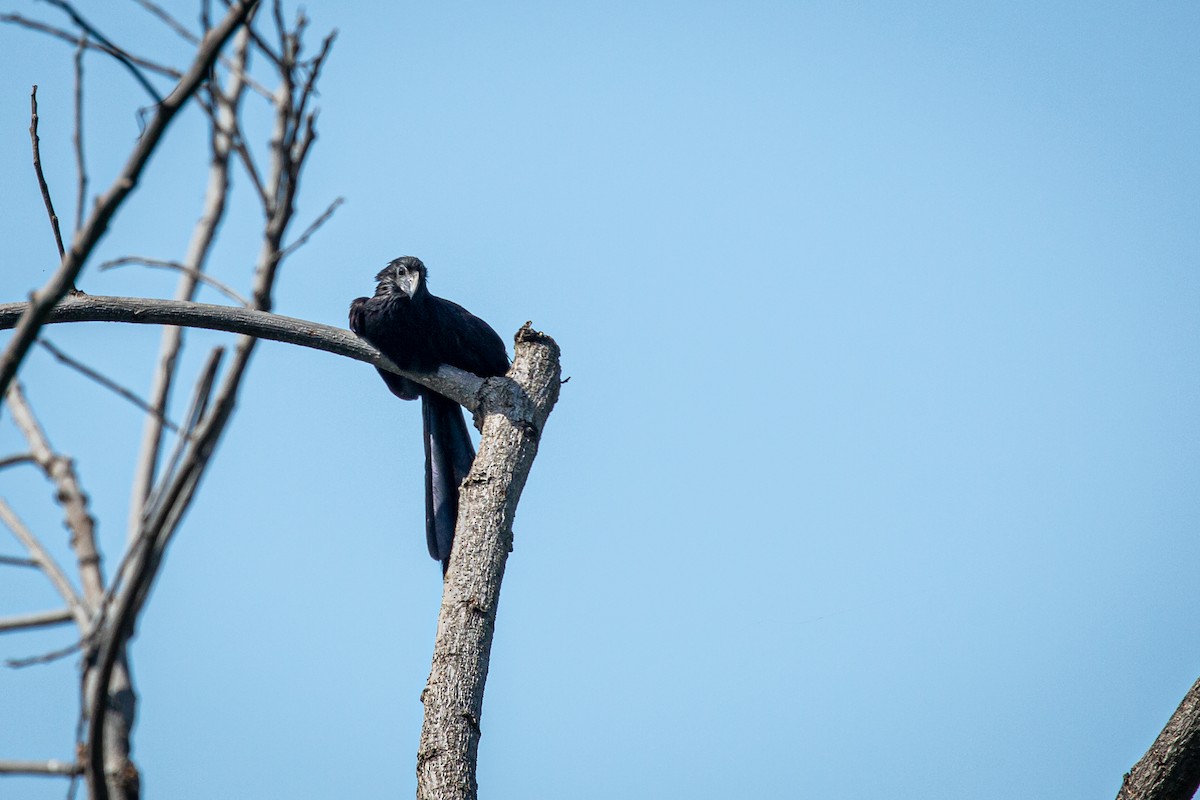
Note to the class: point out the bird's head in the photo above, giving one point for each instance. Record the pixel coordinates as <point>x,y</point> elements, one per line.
<point>403,276</point>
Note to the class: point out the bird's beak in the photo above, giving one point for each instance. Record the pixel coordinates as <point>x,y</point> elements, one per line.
<point>408,284</point>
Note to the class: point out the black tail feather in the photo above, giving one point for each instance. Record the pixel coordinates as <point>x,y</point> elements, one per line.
<point>448,457</point>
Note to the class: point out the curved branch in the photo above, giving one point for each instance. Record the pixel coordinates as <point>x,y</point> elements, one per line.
<point>460,386</point>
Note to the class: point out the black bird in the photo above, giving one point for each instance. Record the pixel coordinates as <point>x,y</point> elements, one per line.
<point>419,332</point>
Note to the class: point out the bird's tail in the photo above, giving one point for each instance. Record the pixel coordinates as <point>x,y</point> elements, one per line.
<point>448,457</point>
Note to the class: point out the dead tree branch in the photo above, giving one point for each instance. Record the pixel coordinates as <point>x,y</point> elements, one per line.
<point>60,470</point>
<point>303,238</point>
<point>454,383</point>
<point>46,563</point>
<point>40,619</point>
<point>44,658</point>
<point>116,52</point>
<point>41,177</point>
<point>13,460</point>
<point>192,272</point>
<point>182,31</point>
<point>159,520</point>
<point>1170,770</point>
<point>64,278</point>
<point>203,236</point>
<point>514,414</point>
<point>71,38</point>
<point>60,768</point>
<point>103,380</point>
<point>77,138</point>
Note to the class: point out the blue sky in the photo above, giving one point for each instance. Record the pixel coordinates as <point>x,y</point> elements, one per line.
<point>876,473</point>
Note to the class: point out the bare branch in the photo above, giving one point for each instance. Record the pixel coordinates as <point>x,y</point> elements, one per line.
<point>456,384</point>
<point>169,21</point>
<point>44,658</point>
<point>156,531</point>
<point>311,229</point>
<point>19,458</point>
<point>62,281</point>
<point>14,561</point>
<point>314,70</point>
<point>41,619</point>
<point>67,36</point>
<point>160,519</point>
<point>1170,770</point>
<point>281,29</point>
<point>46,563</point>
<point>103,380</point>
<point>184,33</point>
<point>110,48</point>
<point>200,400</point>
<point>203,235</point>
<point>61,472</point>
<point>56,768</point>
<point>514,414</point>
<point>233,131</point>
<point>191,272</point>
<point>41,178</point>
<point>77,137</point>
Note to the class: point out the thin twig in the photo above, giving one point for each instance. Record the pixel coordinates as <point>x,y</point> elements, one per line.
<point>77,137</point>
<point>46,563</point>
<point>13,460</point>
<point>57,287</point>
<point>40,619</point>
<point>63,768</point>
<point>103,380</point>
<point>200,399</point>
<point>45,658</point>
<point>170,21</point>
<point>41,178</point>
<point>14,561</point>
<point>72,38</point>
<point>314,69</point>
<point>195,274</point>
<point>183,31</point>
<point>238,143</point>
<point>259,42</point>
<point>116,52</point>
<point>311,229</point>
<point>234,134</point>
<point>281,29</point>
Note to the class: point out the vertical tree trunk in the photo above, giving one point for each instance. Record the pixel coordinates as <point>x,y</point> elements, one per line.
<point>514,412</point>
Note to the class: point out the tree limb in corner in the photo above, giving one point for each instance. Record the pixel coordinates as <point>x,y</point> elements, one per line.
<point>1170,770</point>
<point>64,278</point>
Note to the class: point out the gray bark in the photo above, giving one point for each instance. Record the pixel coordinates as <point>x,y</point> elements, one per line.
<point>461,387</point>
<point>106,206</point>
<point>1170,770</point>
<point>514,411</point>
